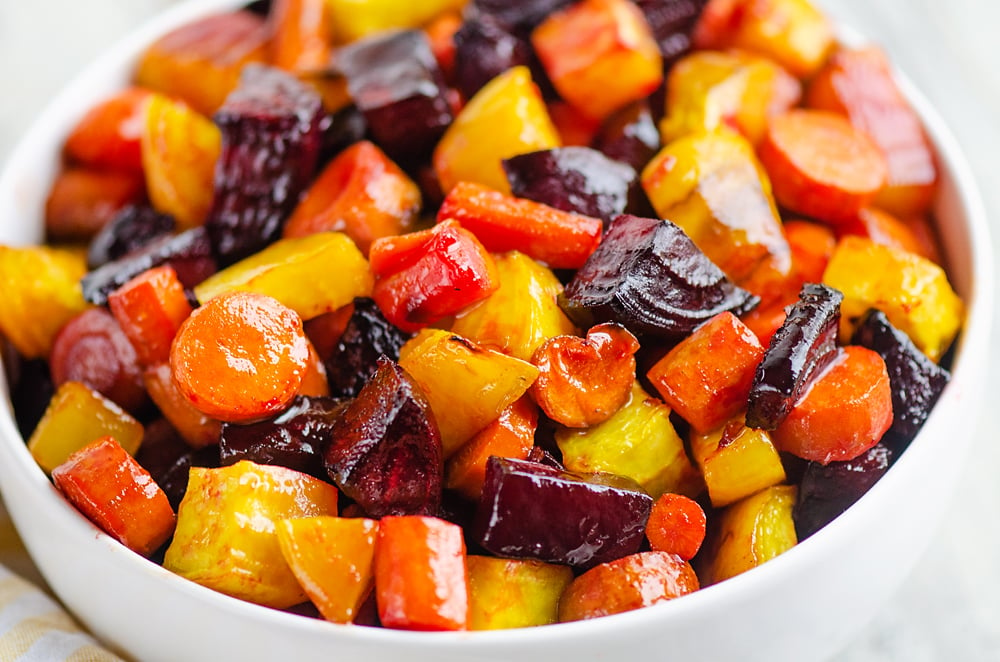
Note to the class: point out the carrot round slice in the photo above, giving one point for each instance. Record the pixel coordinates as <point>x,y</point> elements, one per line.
<point>240,357</point>
<point>820,165</point>
<point>843,414</point>
<point>677,525</point>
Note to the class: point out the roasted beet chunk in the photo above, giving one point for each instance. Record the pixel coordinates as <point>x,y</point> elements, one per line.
<point>630,136</point>
<point>648,276</point>
<point>131,228</point>
<point>574,179</point>
<point>189,253</point>
<point>828,490</point>
<point>672,22</point>
<point>270,144</point>
<point>385,452</point>
<point>398,86</point>
<point>532,510</point>
<point>296,438</point>
<point>801,347</point>
<point>368,336</point>
<point>485,48</point>
<point>916,381</point>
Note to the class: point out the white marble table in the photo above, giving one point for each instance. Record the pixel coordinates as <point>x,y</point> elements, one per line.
<point>949,609</point>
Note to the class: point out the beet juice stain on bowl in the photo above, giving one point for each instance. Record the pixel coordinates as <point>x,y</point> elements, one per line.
<point>494,379</point>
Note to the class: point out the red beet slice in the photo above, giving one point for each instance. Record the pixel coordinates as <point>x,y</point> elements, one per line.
<point>648,276</point>
<point>354,359</point>
<point>799,350</point>
<point>532,510</point>
<point>385,452</point>
<point>630,136</point>
<point>271,139</point>
<point>672,22</point>
<point>131,228</point>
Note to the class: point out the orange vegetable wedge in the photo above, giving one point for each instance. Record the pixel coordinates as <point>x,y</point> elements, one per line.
<point>107,136</point>
<point>676,525</point>
<point>150,309</point>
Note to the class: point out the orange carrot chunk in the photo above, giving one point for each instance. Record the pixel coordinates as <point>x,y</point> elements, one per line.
<point>150,309</point>
<point>421,581</point>
<point>107,485</point>
<point>812,245</point>
<point>706,378</point>
<point>843,414</point>
<point>240,357</point>
<point>107,137</point>
<point>560,239</point>
<point>82,200</point>
<point>820,165</point>
<point>676,524</point>
<point>300,35</point>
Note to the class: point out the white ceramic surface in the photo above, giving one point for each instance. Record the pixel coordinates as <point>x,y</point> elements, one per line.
<point>803,605</point>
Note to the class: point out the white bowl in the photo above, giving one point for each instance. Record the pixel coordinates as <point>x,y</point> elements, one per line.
<point>804,605</point>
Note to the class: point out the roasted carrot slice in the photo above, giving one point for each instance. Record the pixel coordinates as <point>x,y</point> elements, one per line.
<point>82,200</point>
<point>844,413</point>
<point>240,357</point>
<point>511,435</point>
<point>820,165</point>
<point>107,137</point>
<point>584,381</point>
<point>196,428</point>
<point>150,309</point>
<point>560,239</point>
<point>421,581</point>
<point>676,524</point>
<point>884,228</point>
<point>812,245</point>
<point>300,35</point>
<point>108,486</point>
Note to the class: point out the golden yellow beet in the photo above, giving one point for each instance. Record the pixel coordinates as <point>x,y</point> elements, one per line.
<point>467,386</point>
<point>76,416</point>
<point>913,292</point>
<point>522,313</point>
<point>312,275</point>
<point>354,19</point>
<point>639,442</point>
<point>736,461</point>
<point>226,529</point>
<point>514,593</point>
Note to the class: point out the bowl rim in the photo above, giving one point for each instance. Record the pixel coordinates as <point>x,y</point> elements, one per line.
<point>978,299</point>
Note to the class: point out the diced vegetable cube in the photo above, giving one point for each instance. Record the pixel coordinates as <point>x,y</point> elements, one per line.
<point>736,461</point>
<point>514,593</point>
<point>150,309</point>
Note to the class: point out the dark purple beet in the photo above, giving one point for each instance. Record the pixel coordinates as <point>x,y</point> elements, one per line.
<point>521,14</point>
<point>484,48</point>
<point>189,253</point>
<point>341,130</point>
<point>397,85</point>
<point>167,458</point>
<point>532,510</point>
<point>131,228</point>
<point>629,136</point>
<point>672,22</point>
<point>915,380</point>
<point>385,452</point>
<point>803,345</point>
<point>270,146</point>
<point>648,276</point>
<point>354,359</point>
<point>574,179</point>
<point>296,438</point>
<point>827,491</point>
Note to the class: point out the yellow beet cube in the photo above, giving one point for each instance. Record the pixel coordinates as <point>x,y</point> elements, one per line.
<point>639,442</point>
<point>226,535</point>
<point>332,558</point>
<point>312,275</point>
<point>179,148</point>
<point>467,386</point>
<point>913,292</point>
<point>522,313</point>
<point>505,118</point>
<point>712,186</point>
<point>514,593</point>
<point>736,461</point>
<point>41,287</point>
<point>77,416</point>
<point>710,89</point>
<point>752,532</point>
<point>354,19</point>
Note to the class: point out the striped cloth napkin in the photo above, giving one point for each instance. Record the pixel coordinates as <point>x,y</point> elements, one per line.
<point>33,626</point>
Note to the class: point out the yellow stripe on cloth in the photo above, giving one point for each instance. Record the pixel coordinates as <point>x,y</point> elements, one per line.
<point>34,628</point>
